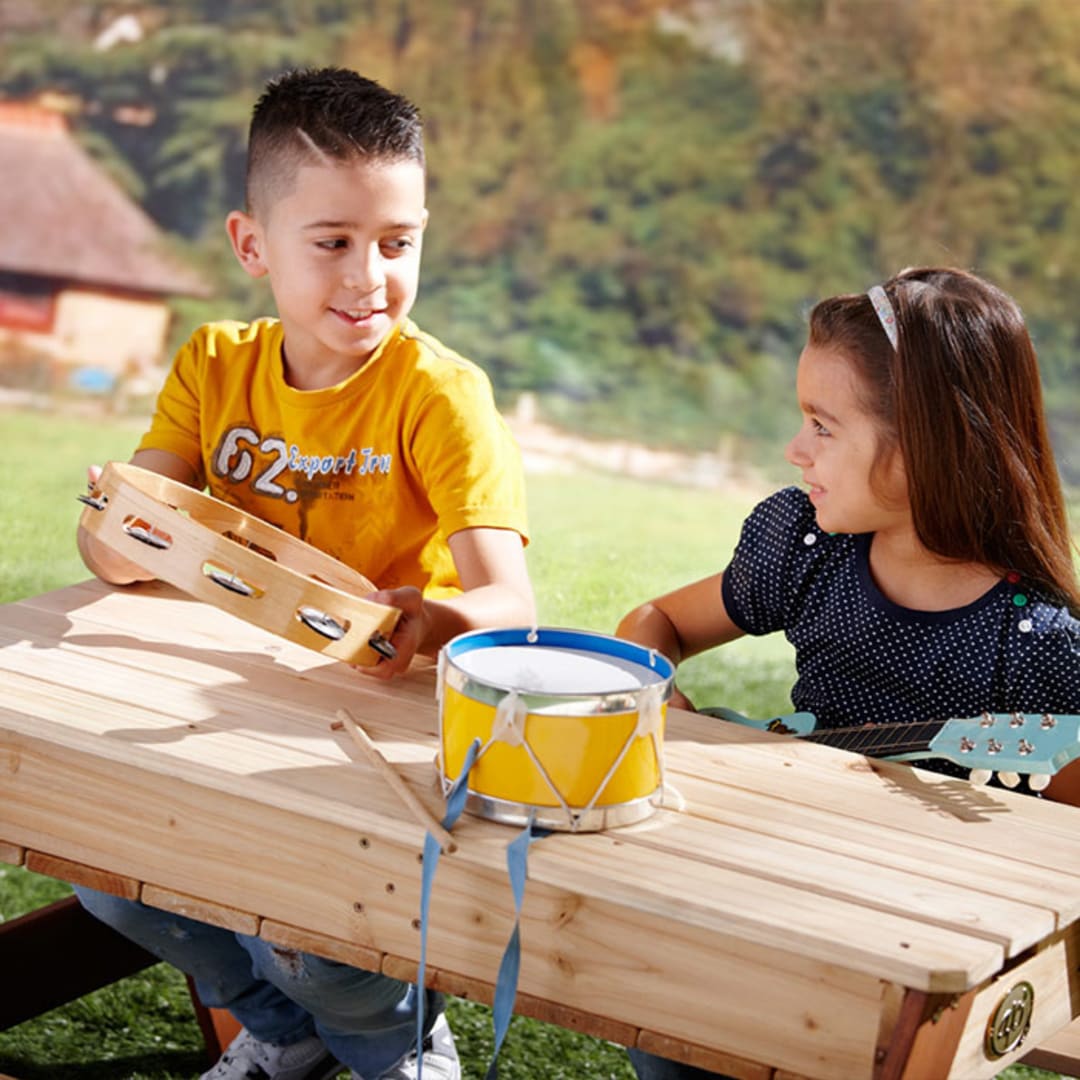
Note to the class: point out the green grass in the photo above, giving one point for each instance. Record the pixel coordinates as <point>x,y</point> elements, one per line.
<point>600,546</point>
<point>45,468</point>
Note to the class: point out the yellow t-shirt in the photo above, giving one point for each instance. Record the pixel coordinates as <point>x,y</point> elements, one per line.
<point>378,471</point>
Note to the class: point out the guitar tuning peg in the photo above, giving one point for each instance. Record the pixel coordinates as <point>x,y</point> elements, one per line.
<point>1038,781</point>
<point>1009,779</point>
<point>979,777</point>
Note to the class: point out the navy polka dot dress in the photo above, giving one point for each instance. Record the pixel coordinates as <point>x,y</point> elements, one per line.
<point>862,659</point>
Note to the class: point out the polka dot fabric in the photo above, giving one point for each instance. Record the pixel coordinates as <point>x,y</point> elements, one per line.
<point>862,659</point>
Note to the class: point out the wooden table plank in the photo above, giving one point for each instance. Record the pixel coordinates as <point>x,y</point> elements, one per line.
<point>12,854</point>
<point>886,793</point>
<point>1060,1053</point>
<point>653,880</point>
<point>914,893</point>
<point>883,880</point>
<point>876,845</point>
<point>692,752</point>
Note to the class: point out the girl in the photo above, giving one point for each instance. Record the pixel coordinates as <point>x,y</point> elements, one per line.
<point>927,571</point>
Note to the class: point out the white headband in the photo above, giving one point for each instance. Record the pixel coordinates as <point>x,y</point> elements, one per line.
<point>884,311</point>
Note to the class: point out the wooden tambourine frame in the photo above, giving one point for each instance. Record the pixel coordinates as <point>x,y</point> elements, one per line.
<point>239,563</point>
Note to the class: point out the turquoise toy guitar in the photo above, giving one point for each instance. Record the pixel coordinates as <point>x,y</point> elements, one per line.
<point>1011,744</point>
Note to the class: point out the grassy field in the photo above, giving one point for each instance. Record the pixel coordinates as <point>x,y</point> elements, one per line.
<point>600,546</point>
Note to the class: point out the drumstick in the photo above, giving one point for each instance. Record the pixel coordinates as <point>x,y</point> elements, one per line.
<point>347,721</point>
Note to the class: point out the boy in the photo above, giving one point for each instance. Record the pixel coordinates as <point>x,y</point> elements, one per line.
<point>342,423</point>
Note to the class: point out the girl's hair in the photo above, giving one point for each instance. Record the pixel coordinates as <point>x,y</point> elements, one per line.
<point>960,397</point>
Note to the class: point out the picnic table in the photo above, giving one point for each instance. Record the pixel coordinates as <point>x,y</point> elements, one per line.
<point>795,911</point>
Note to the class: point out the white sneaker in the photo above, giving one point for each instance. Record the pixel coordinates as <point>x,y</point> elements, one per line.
<point>440,1057</point>
<point>249,1059</point>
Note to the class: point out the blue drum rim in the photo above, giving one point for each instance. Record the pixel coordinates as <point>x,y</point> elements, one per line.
<point>492,691</point>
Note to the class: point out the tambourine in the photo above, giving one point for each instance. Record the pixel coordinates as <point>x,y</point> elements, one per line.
<point>221,555</point>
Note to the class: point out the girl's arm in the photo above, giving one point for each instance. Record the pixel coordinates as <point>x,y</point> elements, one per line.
<point>1065,786</point>
<point>682,624</point>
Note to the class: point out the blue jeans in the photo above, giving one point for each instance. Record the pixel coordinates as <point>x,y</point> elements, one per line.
<point>651,1067</point>
<point>366,1020</point>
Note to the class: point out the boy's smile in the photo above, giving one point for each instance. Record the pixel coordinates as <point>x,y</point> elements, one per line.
<point>342,251</point>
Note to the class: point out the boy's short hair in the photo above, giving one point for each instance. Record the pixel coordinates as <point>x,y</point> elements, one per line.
<point>309,116</point>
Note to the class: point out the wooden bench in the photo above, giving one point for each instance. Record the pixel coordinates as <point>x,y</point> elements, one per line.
<point>1060,1053</point>
<point>61,953</point>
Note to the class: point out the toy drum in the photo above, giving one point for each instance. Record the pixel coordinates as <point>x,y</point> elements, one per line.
<point>570,725</point>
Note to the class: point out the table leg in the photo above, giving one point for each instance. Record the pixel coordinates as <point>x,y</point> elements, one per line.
<point>925,1037</point>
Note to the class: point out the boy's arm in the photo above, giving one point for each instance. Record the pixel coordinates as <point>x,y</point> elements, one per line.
<point>102,560</point>
<point>682,623</point>
<point>496,592</point>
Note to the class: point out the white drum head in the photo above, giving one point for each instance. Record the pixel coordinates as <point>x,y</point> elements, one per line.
<point>542,669</point>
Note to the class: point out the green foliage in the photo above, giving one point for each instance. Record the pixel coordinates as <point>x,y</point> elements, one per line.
<point>631,213</point>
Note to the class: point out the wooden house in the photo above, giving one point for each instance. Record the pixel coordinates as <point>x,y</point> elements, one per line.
<point>84,273</point>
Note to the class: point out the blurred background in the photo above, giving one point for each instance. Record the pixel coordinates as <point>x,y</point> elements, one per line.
<point>633,203</point>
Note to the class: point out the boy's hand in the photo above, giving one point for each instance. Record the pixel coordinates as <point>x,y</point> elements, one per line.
<point>495,592</point>
<point>410,633</point>
<point>103,560</point>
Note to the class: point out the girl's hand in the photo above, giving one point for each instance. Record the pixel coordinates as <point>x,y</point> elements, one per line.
<point>679,700</point>
<point>410,633</point>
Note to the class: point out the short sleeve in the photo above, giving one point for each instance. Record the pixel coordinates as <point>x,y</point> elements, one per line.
<point>468,461</point>
<point>772,560</point>
<point>1045,664</point>
<point>175,426</point>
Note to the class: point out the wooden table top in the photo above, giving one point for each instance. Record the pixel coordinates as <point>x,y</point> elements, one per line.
<point>807,910</point>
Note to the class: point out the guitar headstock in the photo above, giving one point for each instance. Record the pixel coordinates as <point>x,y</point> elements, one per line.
<point>1010,743</point>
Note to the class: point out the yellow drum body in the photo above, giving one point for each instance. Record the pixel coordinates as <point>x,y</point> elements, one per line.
<point>570,726</point>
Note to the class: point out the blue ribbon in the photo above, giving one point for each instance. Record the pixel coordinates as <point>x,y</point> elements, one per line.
<point>517,854</point>
<point>455,803</point>
<point>517,860</point>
